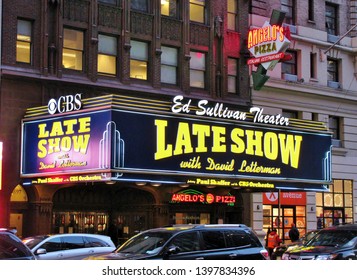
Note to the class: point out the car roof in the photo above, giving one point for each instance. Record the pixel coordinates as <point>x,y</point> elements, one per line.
<point>179,228</point>
<point>43,236</point>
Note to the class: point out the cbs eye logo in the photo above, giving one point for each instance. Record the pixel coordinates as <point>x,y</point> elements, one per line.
<point>64,104</point>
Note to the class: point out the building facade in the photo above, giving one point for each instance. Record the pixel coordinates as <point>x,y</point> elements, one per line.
<point>145,53</point>
<point>99,47</point>
<point>319,83</point>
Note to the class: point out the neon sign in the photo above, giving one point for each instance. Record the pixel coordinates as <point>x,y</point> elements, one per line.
<point>192,196</point>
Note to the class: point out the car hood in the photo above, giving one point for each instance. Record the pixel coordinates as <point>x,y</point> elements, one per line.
<point>120,256</point>
<point>314,250</point>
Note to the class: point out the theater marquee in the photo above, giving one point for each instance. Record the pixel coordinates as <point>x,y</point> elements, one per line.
<point>187,141</point>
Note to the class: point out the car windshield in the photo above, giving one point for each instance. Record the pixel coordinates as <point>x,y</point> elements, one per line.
<point>31,242</point>
<point>145,243</point>
<point>333,238</point>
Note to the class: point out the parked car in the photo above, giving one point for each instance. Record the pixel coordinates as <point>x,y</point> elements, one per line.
<point>68,246</point>
<point>12,248</point>
<point>334,243</point>
<point>192,242</point>
<point>281,249</point>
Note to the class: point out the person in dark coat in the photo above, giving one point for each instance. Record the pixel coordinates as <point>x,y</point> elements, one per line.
<point>294,233</point>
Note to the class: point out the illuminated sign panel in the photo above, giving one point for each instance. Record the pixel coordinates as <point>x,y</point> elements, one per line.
<point>195,142</point>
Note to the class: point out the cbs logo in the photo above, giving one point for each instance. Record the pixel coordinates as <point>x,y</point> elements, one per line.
<point>64,104</point>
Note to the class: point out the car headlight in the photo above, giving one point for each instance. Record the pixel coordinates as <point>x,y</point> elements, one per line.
<point>326,257</point>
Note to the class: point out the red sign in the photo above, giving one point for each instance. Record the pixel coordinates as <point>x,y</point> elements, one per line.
<point>267,58</point>
<point>202,198</point>
<point>286,198</point>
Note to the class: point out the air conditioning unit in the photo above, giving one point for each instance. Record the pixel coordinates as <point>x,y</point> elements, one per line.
<point>336,143</point>
<point>290,77</point>
<point>293,29</point>
<point>333,84</point>
<point>332,38</point>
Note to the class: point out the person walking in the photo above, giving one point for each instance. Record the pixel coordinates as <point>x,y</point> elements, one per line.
<point>273,241</point>
<point>294,233</point>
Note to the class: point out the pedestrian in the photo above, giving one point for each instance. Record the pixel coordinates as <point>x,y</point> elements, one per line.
<point>294,233</point>
<point>273,241</point>
<point>266,237</point>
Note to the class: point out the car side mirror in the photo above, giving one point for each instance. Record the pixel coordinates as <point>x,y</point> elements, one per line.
<point>41,251</point>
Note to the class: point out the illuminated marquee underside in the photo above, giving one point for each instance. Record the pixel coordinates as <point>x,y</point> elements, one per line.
<point>155,145</point>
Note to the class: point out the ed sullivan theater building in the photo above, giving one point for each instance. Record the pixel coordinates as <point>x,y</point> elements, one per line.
<point>144,163</point>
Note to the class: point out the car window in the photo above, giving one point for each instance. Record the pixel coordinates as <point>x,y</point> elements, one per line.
<point>94,242</point>
<point>238,238</point>
<point>213,240</point>
<point>11,248</point>
<point>186,242</point>
<point>332,238</point>
<point>145,243</point>
<point>73,242</point>
<point>52,245</point>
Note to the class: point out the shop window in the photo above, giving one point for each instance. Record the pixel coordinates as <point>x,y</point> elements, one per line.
<point>197,10</point>
<point>197,69</point>
<point>139,60</point>
<point>72,57</point>
<point>169,8</point>
<point>331,18</point>
<point>232,75</point>
<point>169,63</point>
<point>335,207</point>
<point>107,55</point>
<point>288,6</point>
<point>139,5</point>
<point>232,14</point>
<point>24,41</point>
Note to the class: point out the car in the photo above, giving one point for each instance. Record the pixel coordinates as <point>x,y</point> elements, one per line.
<point>12,248</point>
<point>68,246</point>
<point>281,249</point>
<point>333,243</point>
<point>192,242</point>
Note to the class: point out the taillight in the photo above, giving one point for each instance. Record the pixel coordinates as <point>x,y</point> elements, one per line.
<point>265,254</point>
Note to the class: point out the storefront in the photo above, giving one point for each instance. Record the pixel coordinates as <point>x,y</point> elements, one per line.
<point>141,163</point>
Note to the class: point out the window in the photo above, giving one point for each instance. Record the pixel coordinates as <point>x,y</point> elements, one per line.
<point>290,66</point>
<point>139,5</point>
<point>334,126</point>
<point>197,69</point>
<point>197,10</point>
<point>331,19</point>
<point>169,8</point>
<point>311,13</point>
<point>186,242</point>
<point>288,6</point>
<point>332,70</point>
<point>232,75</point>
<point>313,63</point>
<point>138,60</point>
<point>73,242</point>
<point>53,245</point>
<point>23,41</point>
<point>107,54</point>
<point>290,114</point>
<point>335,207</point>
<point>72,49</point>
<point>232,14</point>
<point>169,64</point>
<point>213,240</point>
